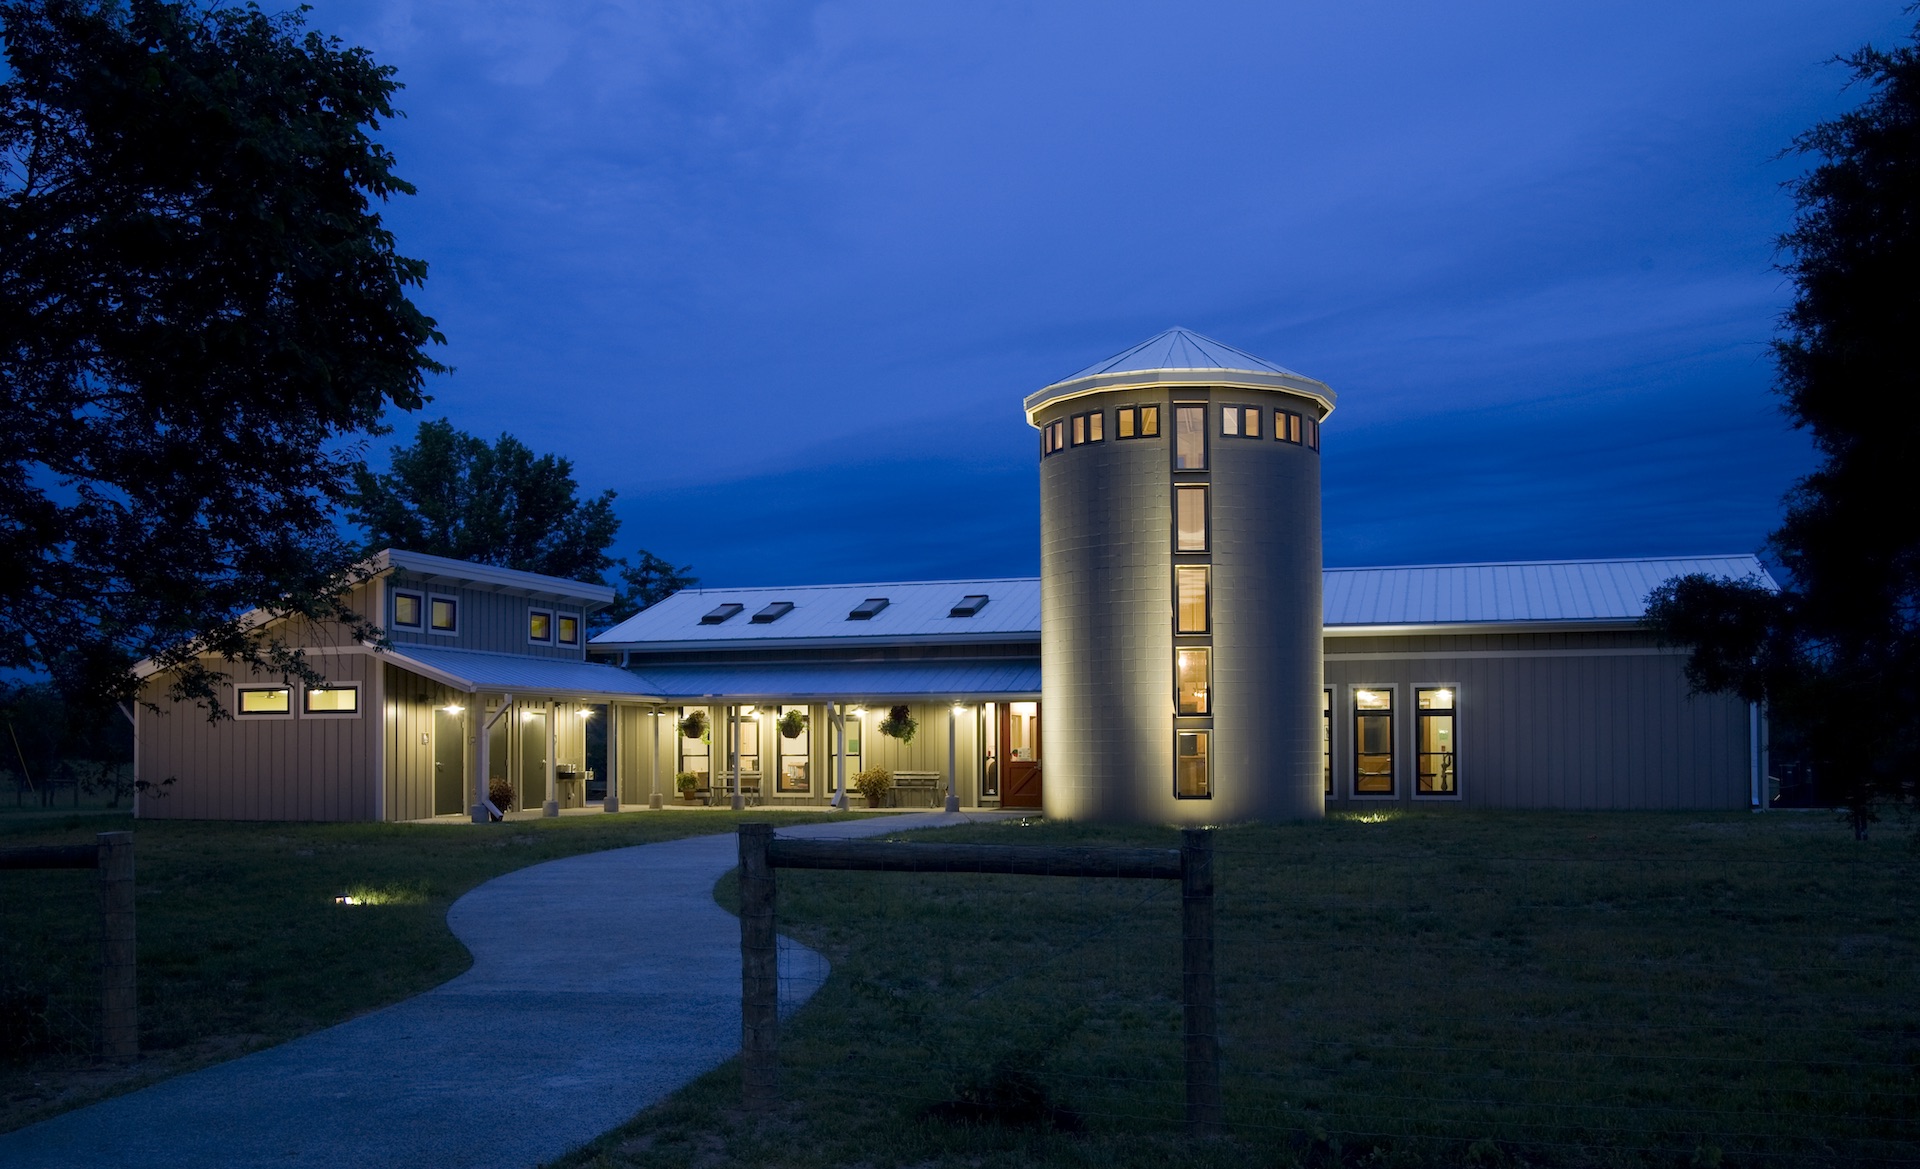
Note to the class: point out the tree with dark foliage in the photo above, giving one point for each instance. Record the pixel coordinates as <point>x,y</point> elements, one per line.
<point>1836,653</point>
<point>449,493</point>
<point>201,315</point>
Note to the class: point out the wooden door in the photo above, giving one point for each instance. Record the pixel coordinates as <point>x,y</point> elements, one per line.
<point>449,763</point>
<point>1020,756</point>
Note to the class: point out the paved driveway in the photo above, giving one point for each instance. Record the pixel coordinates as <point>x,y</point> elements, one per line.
<point>600,984</point>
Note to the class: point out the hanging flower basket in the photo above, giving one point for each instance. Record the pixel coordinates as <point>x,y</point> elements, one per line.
<point>694,726</point>
<point>793,724</point>
<point>899,723</point>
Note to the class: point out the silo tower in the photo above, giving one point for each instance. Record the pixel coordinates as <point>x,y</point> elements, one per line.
<point>1180,586</point>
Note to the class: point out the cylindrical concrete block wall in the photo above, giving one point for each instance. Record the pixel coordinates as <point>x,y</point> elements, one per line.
<point>1111,632</point>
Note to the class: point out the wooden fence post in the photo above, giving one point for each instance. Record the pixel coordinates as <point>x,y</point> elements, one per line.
<point>119,999</point>
<point>759,973</point>
<point>1204,1111</point>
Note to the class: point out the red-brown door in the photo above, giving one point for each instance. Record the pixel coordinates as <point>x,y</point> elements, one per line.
<point>1020,756</point>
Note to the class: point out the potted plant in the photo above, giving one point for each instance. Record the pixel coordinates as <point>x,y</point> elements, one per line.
<point>899,723</point>
<point>694,726</point>
<point>874,783</point>
<point>500,794</point>
<point>686,783</point>
<point>792,724</point>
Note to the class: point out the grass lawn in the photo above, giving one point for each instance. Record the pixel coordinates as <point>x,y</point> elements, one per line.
<point>1450,988</point>
<point>240,942</point>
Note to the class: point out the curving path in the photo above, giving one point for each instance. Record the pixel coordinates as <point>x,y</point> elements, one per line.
<point>600,984</point>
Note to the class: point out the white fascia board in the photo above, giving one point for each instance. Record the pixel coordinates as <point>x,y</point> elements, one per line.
<point>1154,379</point>
<point>717,645</point>
<point>1463,628</point>
<point>468,686</point>
<point>442,568</point>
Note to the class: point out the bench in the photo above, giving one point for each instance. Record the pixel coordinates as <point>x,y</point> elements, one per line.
<point>919,789</point>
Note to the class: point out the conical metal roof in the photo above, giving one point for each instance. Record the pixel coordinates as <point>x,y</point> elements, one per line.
<point>1181,357</point>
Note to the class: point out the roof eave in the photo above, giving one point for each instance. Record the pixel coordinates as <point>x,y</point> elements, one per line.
<point>1141,379</point>
<point>1587,625</point>
<point>1014,637</point>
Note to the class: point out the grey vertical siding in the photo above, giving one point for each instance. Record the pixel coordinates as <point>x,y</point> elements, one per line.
<point>491,621</point>
<point>302,768</point>
<point>409,729</point>
<point>1552,720</point>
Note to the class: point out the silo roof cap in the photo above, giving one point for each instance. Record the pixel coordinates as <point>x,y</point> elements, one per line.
<point>1180,357</point>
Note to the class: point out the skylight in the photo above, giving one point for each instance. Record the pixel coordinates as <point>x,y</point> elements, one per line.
<point>720,613</point>
<point>773,612</point>
<point>865,610</point>
<point>969,605</point>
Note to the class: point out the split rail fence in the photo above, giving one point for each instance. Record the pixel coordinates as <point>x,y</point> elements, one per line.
<point>112,856</point>
<point>761,852</point>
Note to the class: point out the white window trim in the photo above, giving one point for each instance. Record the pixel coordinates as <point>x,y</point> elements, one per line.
<point>241,687</point>
<point>393,597</point>
<point>553,633</point>
<point>428,614</point>
<point>579,624</point>
<point>1413,732</point>
<point>1399,755</point>
<point>359,700</point>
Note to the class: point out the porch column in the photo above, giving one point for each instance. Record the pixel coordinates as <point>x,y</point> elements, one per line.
<point>612,802</point>
<point>953,777</point>
<point>481,764</point>
<point>840,762</point>
<point>653,760</point>
<point>833,755</point>
<point>553,745</point>
<point>733,747</point>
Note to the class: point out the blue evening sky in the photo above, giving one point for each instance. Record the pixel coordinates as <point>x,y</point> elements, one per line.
<point>780,273</point>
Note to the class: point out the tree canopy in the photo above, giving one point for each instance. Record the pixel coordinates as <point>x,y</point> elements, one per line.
<point>201,314</point>
<point>1836,653</point>
<point>449,493</point>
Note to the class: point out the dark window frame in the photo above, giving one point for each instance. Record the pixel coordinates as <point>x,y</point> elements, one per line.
<point>1287,426</point>
<point>1311,432</point>
<point>1206,519</point>
<point>433,621</point>
<point>1207,691</point>
<point>1420,719</point>
<point>1206,606</point>
<point>1134,418</point>
<point>1326,739</point>
<point>306,701</point>
<point>263,715</point>
<point>538,612</point>
<point>1206,733</point>
<point>559,629</point>
<point>1243,415</point>
<point>1206,454</point>
<point>419,599</point>
<point>1393,754</point>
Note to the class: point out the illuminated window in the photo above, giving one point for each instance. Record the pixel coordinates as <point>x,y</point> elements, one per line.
<point>1189,438</point>
<point>1326,740</point>
<point>443,615</point>
<point>540,626</point>
<point>796,754</point>
<point>1190,681</point>
<point>1190,582</point>
<point>1191,780</point>
<point>1240,421</point>
<point>1079,429</point>
<point>567,629</point>
<point>264,701</point>
<point>333,700</point>
<point>1190,519</point>
<point>1286,426</point>
<point>1373,741</point>
<point>406,610</point>
<point>1089,427</point>
<point>1136,422</point>
<point>1053,438</point>
<point>1312,427</point>
<point>1433,710</point>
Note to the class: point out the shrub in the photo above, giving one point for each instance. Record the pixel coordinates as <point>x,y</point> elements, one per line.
<point>501,793</point>
<point>899,723</point>
<point>873,783</point>
<point>686,783</point>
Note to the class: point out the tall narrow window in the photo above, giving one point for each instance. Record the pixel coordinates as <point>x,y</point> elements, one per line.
<point>1286,426</point>
<point>1190,519</point>
<point>1190,581</point>
<point>1326,740</point>
<point>1373,742</point>
<point>1191,668</point>
<point>1189,438</point>
<point>1149,422</point>
<point>696,752</point>
<point>1433,738</point>
<point>1230,421</point>
<point>1123,422</point>
<point>796,751</point>
<point>1096,426</point>
<point>1313,434</point>
<point>1079,429</point>
<point>1190,768</point>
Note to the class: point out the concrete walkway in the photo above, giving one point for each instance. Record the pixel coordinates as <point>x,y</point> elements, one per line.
<point>600,984</point>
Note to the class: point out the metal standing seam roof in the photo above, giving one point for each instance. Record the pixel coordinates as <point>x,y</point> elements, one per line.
<point>1546,590</point>
<point>1180,357</point>
<point>592,593</point>
<point>851,681</point>
<point>474,670</point>
<point>915,611</point>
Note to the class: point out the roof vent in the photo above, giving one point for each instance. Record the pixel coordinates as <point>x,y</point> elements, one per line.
<point>865,610</point>
<point>720,613</point>
<point>773,612</point>
<point>969,605</point>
